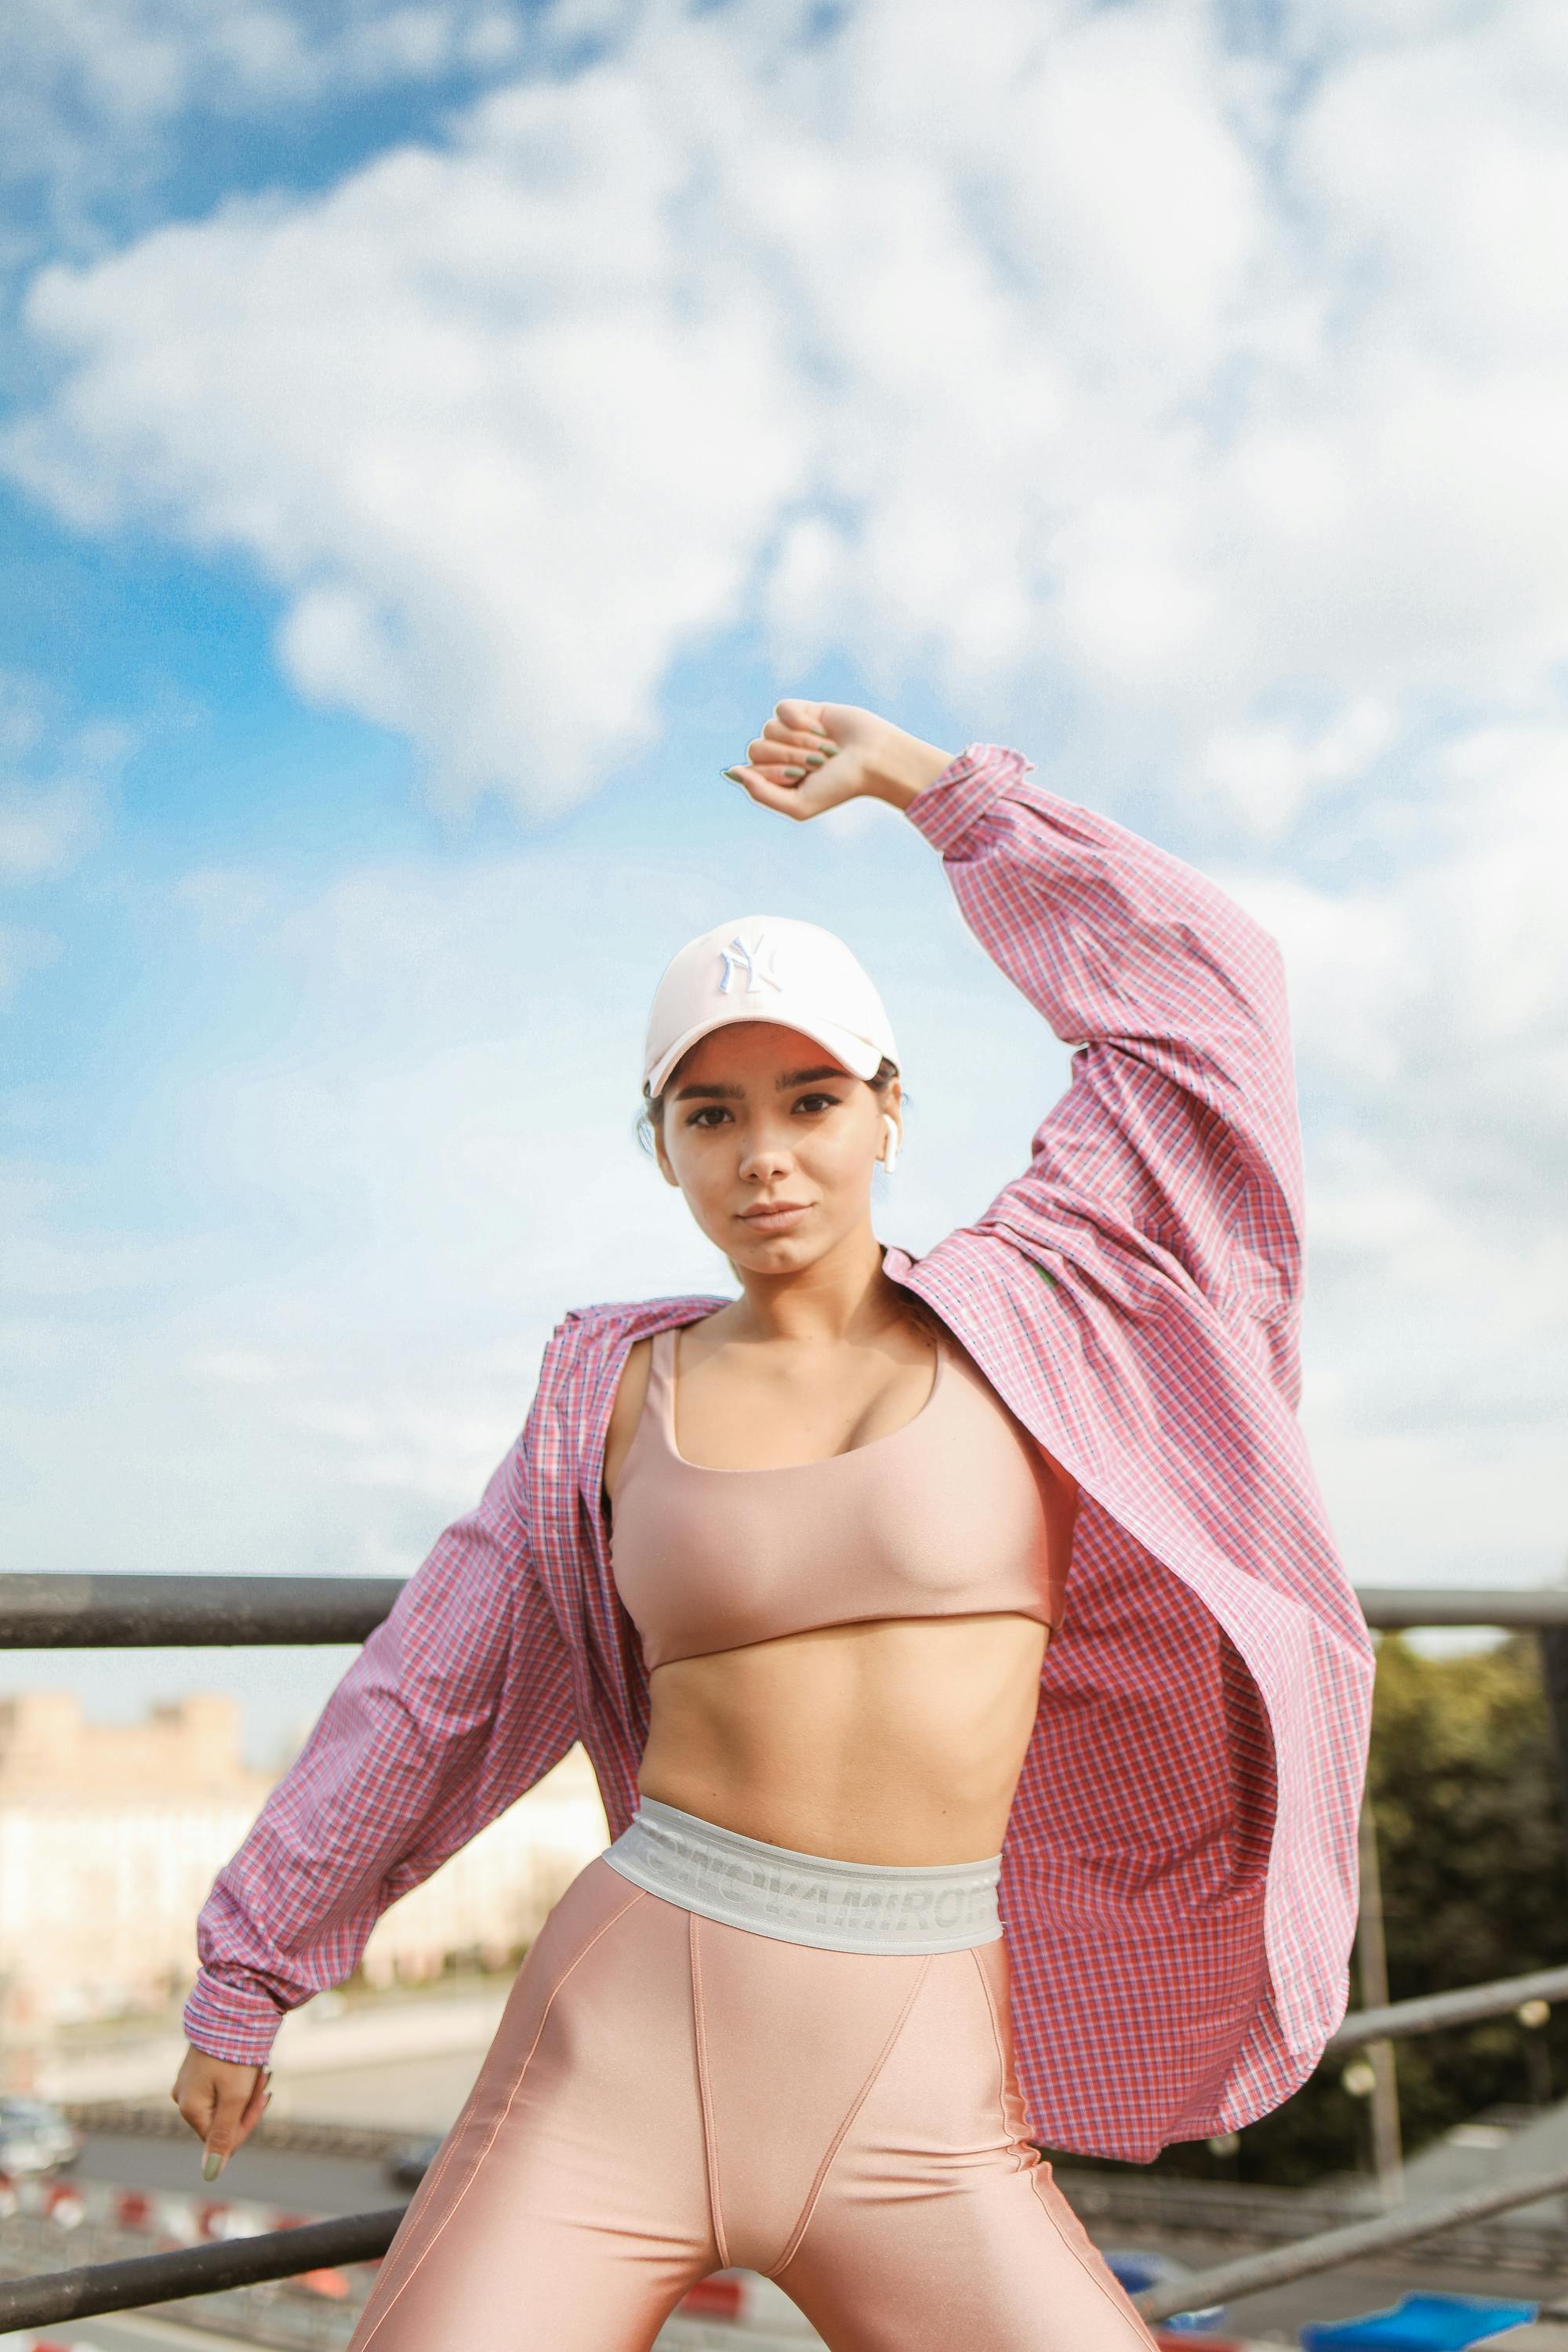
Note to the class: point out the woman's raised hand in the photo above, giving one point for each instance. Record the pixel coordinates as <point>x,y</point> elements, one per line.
<point>812,756</point>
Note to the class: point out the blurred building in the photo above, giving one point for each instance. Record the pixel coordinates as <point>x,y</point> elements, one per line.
<point>110,1836</point>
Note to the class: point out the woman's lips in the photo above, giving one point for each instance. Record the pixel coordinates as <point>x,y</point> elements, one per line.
<point>778,1219</point>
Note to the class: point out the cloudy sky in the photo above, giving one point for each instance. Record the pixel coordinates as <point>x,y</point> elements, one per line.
<point>433,434</point>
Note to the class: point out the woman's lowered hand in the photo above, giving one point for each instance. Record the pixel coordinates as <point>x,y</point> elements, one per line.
<point>221,2101</point>
<point>812,756</point>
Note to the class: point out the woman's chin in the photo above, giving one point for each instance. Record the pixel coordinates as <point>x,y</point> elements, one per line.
<point>764,1252</point>
<point>762,1256</point>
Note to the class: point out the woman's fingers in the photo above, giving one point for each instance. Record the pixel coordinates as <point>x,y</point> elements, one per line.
<point>794,743</point>
<point>236,2114</point>
<point>196,2105</point>
<point>798,717</point>
<point>783,763</point>
<point>787,754</point>
<point>771,790</point>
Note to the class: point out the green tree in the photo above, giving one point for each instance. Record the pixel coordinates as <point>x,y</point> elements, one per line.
<point>1467,1803</point>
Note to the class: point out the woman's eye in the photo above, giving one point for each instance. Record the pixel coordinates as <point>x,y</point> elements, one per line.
<point>712,1114</point>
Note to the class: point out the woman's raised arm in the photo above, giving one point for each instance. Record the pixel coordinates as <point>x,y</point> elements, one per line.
<point>1179,1130</point>
<point>1179,1125</point>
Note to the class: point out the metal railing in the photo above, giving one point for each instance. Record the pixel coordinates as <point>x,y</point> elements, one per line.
<point>153,1613</point>
<point>1251,2274</point>
<point>1434,2011</point>
<point>117,1613</point>
<point>156,1611</point>
<point>98,2287</point>
<point>1396,1608</point>
<point>1231,2217</point>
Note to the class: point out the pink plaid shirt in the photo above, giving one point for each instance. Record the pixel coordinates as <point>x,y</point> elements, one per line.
<point>1179,1874</point>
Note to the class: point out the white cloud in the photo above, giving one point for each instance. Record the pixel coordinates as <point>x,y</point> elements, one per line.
<point>1354,970</point>
<point>1062,349</point>
<point>1431,1015</point>
<point>1191,414</point>
<point>1431,1009</point>
<point>54,782</point>
<point>92,91</point>
<point>44,828</point>
<point>1264,775</point>
<point>507,468</point>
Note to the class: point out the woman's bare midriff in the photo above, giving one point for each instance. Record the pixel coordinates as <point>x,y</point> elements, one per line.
<point>895,1740</point>
<point>898,1741</point>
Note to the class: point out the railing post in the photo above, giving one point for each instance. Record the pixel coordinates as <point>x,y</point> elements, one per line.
<point>1371,1960</point>
<point>1553,1641</point>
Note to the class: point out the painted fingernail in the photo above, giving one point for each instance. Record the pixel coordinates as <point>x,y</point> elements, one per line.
<point>816,760</point>
<point>267,2102</point>
<point>211,2165</point>
<point>793,775</point>
<point>734,775</point>
<point>825,746</point>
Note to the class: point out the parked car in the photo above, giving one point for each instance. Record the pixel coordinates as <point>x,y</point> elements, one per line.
<point>1138,2267</point>
<point>406,2164</point>
<point>35,2136</point>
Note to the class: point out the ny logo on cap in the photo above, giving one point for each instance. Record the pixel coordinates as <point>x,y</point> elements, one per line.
<point>755,958</point>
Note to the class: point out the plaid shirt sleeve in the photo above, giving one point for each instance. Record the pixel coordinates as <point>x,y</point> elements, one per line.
<point>1179,1134</point>
<point>457,1703</point>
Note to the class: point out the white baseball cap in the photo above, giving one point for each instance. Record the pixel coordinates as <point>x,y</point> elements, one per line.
<point>767,968</point>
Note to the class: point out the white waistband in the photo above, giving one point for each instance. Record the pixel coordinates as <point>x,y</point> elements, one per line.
<point>805,1899</point>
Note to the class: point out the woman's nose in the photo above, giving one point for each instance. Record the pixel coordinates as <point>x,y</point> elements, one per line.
<point>764,1155</point>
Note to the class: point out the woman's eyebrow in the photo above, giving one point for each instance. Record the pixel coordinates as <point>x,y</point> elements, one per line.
<point>717,1092</point>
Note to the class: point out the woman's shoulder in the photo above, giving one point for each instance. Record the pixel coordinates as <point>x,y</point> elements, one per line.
<point>651,1314</point>
<point>597,1331</point>
<point>592,1347</point>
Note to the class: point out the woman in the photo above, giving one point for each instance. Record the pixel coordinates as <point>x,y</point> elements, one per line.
<point>794,1565</point>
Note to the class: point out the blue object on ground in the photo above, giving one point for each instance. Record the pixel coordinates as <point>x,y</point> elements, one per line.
<point>1419,2323</point>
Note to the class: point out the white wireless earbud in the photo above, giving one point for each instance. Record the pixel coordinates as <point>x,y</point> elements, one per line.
<point>891,1148</point>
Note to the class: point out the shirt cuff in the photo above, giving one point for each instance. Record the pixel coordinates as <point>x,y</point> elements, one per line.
<point>946,809</point>
<point>228,2021</point>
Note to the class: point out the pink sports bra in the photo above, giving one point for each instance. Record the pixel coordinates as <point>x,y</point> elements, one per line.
<point>956,1514</point>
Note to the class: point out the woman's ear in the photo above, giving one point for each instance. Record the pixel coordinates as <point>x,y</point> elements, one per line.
<point>662,1155</point>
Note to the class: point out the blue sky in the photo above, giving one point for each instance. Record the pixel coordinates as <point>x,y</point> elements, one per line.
<point>433,435</point>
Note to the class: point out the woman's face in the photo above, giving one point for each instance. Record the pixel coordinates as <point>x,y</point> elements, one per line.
<point>773,1143</point>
